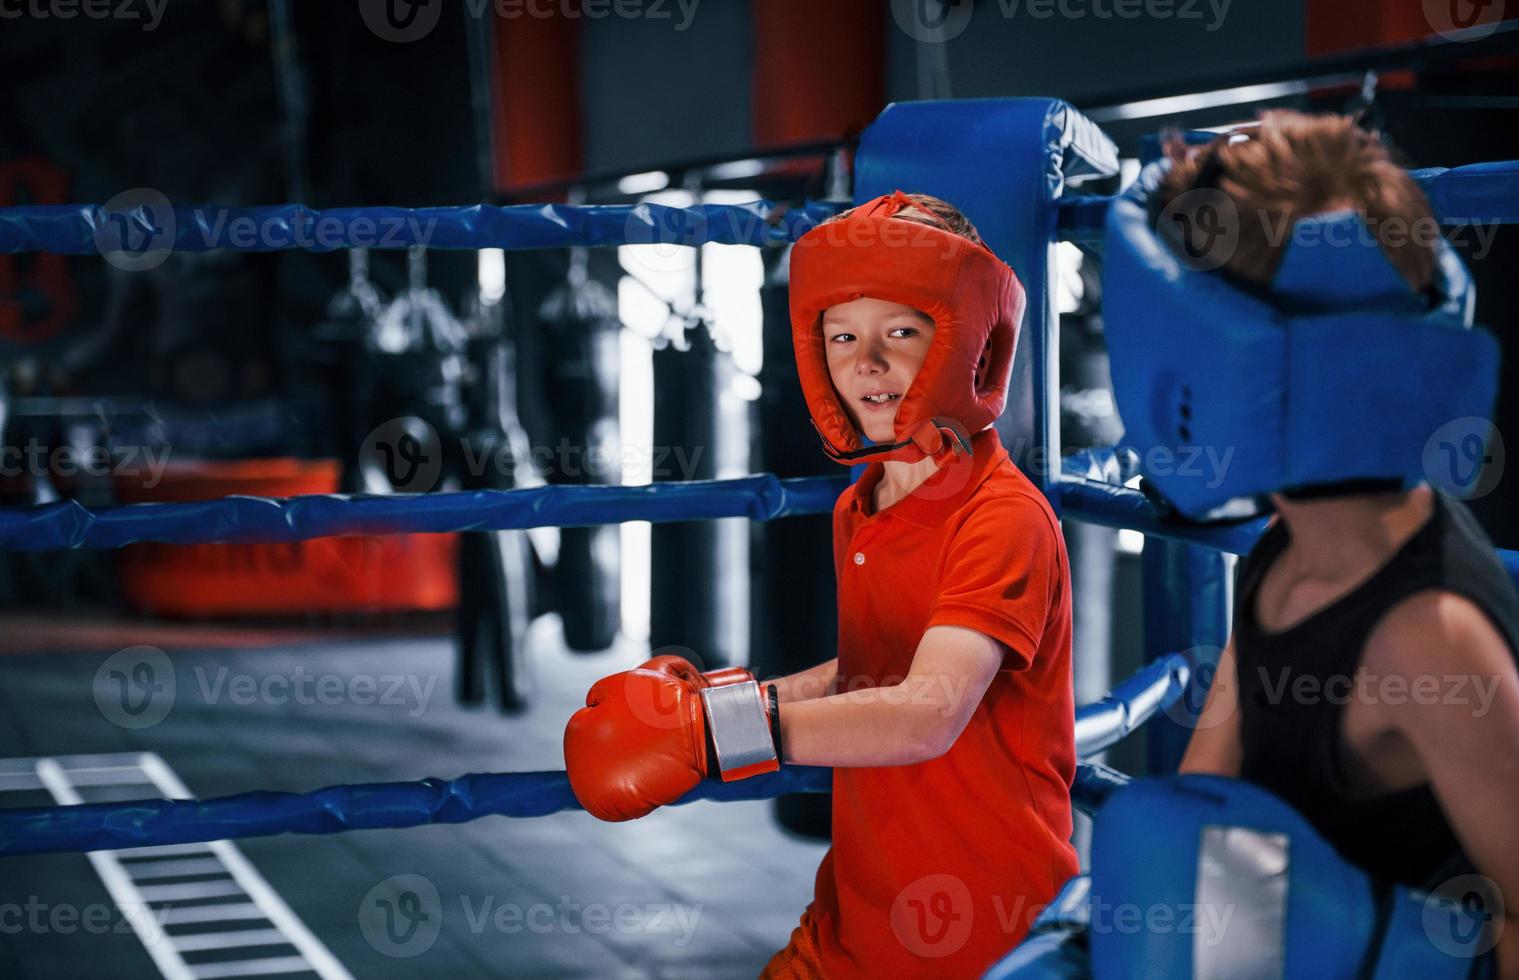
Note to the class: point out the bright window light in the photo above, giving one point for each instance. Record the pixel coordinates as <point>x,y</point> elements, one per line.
<point>644,183</point>
<point>1128,171</point>
<point>641,311</point>
<point>731,279</point>
<point>1068,286</point>
<point>492,275</point>
<point>1178,104</point>
<point>667,272</point>
<point>635,419</point>
<point>736,170</point>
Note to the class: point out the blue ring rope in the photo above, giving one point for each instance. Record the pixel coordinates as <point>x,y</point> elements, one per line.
<point>157,226</point>
<point>373,806</point>
<point>144,823</point>
<point>762,497</point>
<point>70,524</point>
<point>1482,193</point>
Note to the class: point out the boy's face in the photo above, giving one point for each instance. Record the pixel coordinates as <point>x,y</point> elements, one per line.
<point>875,349</point>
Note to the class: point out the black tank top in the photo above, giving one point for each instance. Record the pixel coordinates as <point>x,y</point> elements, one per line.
<point>1291,741</point>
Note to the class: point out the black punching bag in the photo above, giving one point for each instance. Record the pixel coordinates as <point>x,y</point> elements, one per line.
<point>496,568</point>
<point>580,321</point>
<point>690,566</point>
<point>794,618</point>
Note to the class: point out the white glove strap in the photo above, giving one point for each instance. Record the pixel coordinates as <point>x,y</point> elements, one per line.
<point>740,729</point>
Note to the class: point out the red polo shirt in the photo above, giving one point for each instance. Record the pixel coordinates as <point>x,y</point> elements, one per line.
<point>937,868</point>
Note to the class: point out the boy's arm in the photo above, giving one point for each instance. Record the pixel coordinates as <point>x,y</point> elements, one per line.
<point>804,685</point>
<point>647,736</point>
<point>992,606</point>
<point>1462,718</point>
<point>914,721</point>
<point>1215,746</point>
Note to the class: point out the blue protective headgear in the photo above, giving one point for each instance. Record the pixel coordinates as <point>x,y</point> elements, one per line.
<point>1337,372</point>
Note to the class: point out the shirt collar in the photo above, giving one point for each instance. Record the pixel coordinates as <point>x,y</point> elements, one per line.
<point>949,486</point>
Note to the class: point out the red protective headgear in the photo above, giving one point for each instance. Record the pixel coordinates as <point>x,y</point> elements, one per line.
<point>974,299</point>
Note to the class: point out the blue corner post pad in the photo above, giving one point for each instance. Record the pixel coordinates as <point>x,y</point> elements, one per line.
<point>1005,163</point>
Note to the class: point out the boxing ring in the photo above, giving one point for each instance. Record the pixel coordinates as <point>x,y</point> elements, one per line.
<point>1016,165</point>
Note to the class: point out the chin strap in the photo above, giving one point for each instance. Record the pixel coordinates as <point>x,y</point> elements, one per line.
<point>930,438</point>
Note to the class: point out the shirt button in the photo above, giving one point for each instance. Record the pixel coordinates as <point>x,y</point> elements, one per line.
<point>859,557</point>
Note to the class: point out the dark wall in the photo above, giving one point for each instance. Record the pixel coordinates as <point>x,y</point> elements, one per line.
<point>390,120</point>
<point>1451,123</point>
<point>191,108</point>
<point>1015,47</point>
<point>653,92</point>
<point>93,108</point>
<point>390,124</point>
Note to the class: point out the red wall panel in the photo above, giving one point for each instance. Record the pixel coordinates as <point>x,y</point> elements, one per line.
<point>819,68</point>
<point>536,109</point>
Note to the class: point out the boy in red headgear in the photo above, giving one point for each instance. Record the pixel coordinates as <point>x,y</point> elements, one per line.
<point>948,711</point>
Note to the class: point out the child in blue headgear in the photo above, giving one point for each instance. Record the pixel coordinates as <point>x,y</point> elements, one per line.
<point>1283,294</point>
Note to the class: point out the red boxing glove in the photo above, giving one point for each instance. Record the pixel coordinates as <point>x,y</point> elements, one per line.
<point>677,666</point>
<point>639,743</point>
<point>646,737</point>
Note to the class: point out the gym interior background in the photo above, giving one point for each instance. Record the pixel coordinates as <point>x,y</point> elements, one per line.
<point>294,372</point>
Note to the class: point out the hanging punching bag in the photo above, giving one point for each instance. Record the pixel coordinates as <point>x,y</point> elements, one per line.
<point>579,319</point>
<point>690,565</point>
<point>794,620</point>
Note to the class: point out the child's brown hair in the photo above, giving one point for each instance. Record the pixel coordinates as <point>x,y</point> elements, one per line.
<point>928,210</point>
<point>1292,165</point>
